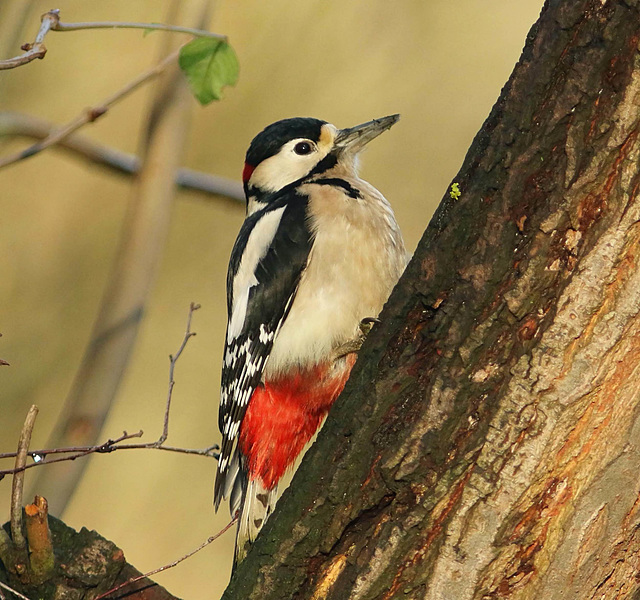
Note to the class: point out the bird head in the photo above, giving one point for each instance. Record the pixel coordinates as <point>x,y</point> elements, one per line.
<point>292,149</point>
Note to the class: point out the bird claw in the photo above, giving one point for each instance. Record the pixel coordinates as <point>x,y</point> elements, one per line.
<point>354,345</point>
<point>366,325</point>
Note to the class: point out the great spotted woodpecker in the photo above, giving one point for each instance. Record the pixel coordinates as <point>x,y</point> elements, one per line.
<point>318,253</point>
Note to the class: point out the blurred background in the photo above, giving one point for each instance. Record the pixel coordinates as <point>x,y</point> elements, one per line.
<point>441,64</point>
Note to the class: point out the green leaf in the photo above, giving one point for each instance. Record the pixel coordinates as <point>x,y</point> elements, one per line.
<point>209,65</point>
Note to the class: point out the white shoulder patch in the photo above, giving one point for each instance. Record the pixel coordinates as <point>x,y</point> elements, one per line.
<point>258,244</point>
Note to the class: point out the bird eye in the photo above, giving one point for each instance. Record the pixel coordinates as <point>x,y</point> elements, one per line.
<point>302,148</point>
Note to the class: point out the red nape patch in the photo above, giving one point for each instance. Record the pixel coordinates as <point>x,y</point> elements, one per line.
<point>283,415</point>
<point>247,171</point>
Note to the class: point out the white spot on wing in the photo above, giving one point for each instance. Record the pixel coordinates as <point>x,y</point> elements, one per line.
<point>265,336</point>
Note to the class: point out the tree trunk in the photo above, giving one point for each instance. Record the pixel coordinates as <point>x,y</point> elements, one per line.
<point>488,442</point>
<point>86,565</point>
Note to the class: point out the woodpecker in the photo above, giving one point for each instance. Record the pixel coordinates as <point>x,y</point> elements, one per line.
<point>317,255</point>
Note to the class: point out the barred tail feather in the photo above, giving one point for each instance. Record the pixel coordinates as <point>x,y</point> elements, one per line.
<point>257,505</point>
<point>250,498</point>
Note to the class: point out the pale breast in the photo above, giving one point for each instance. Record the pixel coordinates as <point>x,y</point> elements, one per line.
<point>357,257</point>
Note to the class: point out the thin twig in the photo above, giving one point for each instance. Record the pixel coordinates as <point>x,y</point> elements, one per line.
<point>10,589</point>
<point>51,22</point>
<point>60,26</point>
<point>19,124</point>
<point>172,365</point>
<point>37,49</point>
<point>38,455</point>
<point>104,448</point>
<point>91,114</point>
<point>210,451</point>
<point>18,478</point>
<point>79,452</point>
<point>204,544</point>
<point>13,26</point>
<point>112,445</point>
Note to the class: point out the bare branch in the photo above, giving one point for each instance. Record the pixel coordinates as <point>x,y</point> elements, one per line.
<point>19,124</point>
<point>116,444</point>
<point>211,184</point>
<point>18,478</point>
<point>173,360</point>
<point>105,448</point>
<point>11,590</point>
<point>90,114</point>
<point>75,452</point>
<point>204,544</point>
<point>210,451</point>
<point>36,49</point>
<point>51,22</point>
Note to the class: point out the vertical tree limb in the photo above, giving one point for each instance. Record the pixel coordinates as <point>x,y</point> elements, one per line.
<point>18,479</point>
<point>142,241</point>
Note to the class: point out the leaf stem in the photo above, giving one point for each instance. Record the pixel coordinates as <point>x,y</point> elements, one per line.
<point>61,26</point>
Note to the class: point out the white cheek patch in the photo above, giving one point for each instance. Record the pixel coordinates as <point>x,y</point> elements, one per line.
<point>258,244</point>
<point>273,173</point>
<point>327,138</point>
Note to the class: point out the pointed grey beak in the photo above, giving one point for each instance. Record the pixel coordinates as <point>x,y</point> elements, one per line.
<point>356,138</point>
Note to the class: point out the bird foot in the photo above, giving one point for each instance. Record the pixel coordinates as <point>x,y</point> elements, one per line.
<point>354,345</point>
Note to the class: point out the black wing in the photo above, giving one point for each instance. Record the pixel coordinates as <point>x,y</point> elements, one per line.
<point>281,240</point>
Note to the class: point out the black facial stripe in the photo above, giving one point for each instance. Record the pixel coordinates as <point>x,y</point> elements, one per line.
<point>328,162</point>
<point>345,185</point>
<point>266,196</point>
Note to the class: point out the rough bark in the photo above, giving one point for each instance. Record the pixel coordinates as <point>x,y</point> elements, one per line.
<point>86,565</point>
<point>488,442</point>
